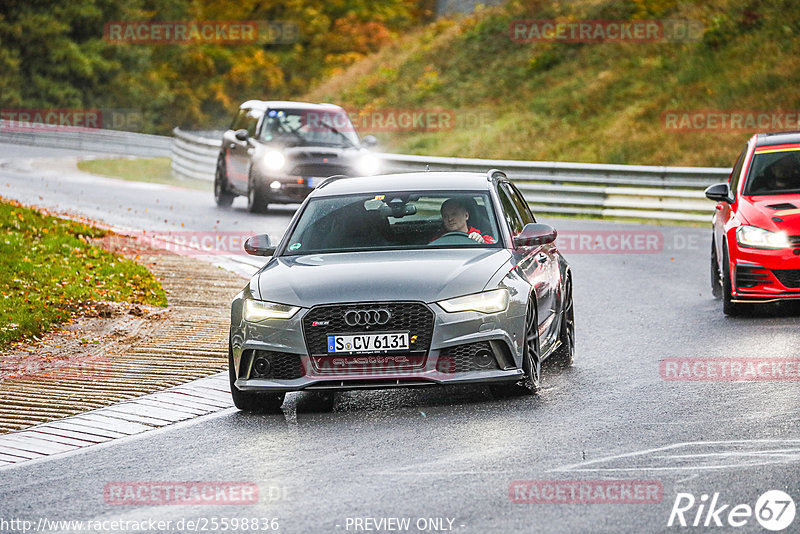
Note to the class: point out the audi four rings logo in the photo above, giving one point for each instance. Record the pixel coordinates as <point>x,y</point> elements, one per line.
<point>367,317</point>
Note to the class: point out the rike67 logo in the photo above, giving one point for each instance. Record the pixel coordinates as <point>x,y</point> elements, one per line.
<point>774,510</point>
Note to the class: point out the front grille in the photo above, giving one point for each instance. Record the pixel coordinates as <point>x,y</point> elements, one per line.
<point>751,276</point>
<point>788,277</point>
<point>319,170</point>
<point>413,317</point>
<point>282,365</point>
<point>465,358</point>
<point>794,240</point>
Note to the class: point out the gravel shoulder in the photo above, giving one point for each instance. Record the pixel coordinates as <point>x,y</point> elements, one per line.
<point>122,351</point>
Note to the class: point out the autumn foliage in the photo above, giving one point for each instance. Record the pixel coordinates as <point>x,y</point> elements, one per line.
<point>54,55</point>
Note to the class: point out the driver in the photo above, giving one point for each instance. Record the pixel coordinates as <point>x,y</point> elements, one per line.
<point>784,174</point>
<point>454,219</point>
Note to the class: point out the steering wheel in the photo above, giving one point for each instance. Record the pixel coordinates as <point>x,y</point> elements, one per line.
<point>453,238</point>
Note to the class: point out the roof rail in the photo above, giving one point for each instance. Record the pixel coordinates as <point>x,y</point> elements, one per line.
<point>787,132</point>
<point>495,175</point>
<point>330,179</point>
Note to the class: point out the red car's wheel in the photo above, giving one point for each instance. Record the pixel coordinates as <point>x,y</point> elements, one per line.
<point>728,306</point>
<point>716,277</point>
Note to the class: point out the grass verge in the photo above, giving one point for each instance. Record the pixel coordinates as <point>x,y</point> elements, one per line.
<point>49,271</point>
<point>152,170</point>
<point>591,102</point>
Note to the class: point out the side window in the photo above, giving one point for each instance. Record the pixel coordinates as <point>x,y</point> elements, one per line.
<point>737,172</point>
<point>519,201</point>
<point>510,212</point>
<point>246,119</point>
<point>239,120</point>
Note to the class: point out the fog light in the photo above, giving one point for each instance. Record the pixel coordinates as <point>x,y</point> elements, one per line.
<point>484,358</point>
<point>262,366</point>
<point>275,185</point>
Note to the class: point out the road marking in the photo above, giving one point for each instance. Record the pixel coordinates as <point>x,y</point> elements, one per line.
<point>697,455</point>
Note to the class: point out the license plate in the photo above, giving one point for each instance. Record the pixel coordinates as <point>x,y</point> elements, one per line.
<point>365,343</point>
<point>312,181</point>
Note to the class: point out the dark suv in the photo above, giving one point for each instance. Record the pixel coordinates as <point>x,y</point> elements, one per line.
<point>276,152</point>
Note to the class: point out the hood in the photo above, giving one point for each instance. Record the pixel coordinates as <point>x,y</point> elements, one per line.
<point>421,275</point>
<point>762,209</point>
<point>313,153</point>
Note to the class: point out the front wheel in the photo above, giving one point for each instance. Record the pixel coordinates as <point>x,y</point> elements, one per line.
<point>565,354</point>
<point>252,402</point>
<point>729,307</point>
<point>716,279</point>
<point>256,196</point>
<point>222,195</point>
<point>531,361</point>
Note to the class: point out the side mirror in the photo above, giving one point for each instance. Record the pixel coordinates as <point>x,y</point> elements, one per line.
<point>535,234</point>
<point>241,135</point>
<point>259,245</point>
<point>369,141</point>
<point>719,193</point>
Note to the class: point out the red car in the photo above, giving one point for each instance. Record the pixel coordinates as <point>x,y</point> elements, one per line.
<point>755,250</point>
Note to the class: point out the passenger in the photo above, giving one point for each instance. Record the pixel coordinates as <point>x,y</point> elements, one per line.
<point>455,217</point>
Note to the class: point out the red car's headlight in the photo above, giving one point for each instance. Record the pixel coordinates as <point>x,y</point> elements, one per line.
<point>755,237</point>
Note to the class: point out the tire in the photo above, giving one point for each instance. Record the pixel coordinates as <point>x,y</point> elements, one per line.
<point>256,197</point>
<point>729,307</point>
<point>222,194</point>
<point>565,354</point>
<point>531,362</point>
<point>716,279</point>
<point>253,402</point>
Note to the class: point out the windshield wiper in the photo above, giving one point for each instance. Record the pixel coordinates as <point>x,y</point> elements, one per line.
<point>340,134</point>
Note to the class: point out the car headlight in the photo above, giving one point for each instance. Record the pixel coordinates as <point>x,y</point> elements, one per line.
<point>258,310</point>
<point>367,165</point>
<point>493,301</point>
<point>274,160</point>
<point>755,237</point>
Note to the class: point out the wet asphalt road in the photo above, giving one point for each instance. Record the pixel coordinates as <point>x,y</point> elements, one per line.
<point>453,453</point>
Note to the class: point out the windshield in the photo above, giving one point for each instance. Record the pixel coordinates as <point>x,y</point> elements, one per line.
<point>308,127</point>
<point>774,172</point>
<point>395,221</point>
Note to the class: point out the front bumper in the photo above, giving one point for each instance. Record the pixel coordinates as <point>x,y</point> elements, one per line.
<point>765,275</point>
<point>290,190</point>
<point>457,342</point>
<point>294,186</point>
<point>372,381</point>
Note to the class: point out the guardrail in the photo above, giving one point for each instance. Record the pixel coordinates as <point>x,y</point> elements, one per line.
<point>579,189</point>
<point>89,140</point>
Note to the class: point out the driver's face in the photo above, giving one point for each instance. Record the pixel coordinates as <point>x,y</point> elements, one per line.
<point>782,173</point>
<point>455,218</point>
